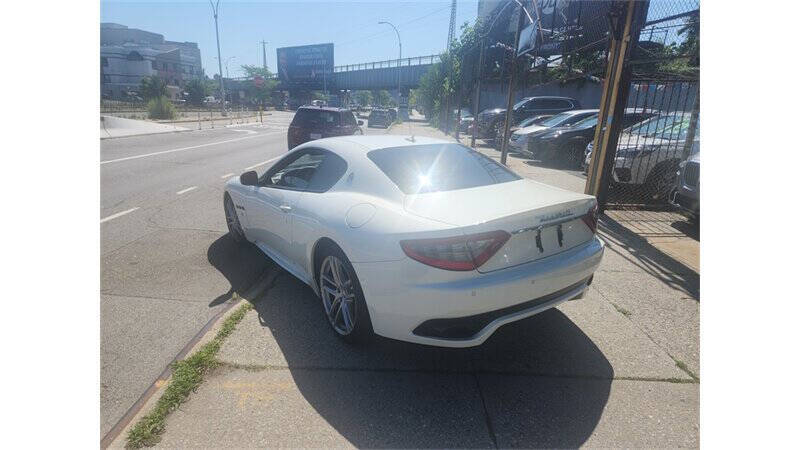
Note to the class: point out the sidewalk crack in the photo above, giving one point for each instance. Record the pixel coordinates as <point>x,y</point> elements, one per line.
<point>486,416</point>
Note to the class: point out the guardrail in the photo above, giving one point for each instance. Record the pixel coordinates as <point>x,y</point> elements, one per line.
<point>405,62</point>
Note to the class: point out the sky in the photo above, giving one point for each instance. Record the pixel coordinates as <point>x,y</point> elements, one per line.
<point>351,26</point>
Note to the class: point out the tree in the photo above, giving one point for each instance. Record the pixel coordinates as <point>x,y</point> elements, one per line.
<point>263,83</point>
<point>364,98</point>
<point>152,87</point>
<point>198,90</point>
<point>449,78</point>
<point>383,98</point>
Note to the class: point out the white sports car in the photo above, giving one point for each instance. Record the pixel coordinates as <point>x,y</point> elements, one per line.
<point>416,239</point>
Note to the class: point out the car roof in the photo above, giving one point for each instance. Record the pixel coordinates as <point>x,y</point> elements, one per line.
<point>581,111</point>
<point>549,97</point>
<point>323,108</point>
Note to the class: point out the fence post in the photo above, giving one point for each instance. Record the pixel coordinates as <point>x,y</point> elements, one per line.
<point>625,34</point>
<point>199,124</point>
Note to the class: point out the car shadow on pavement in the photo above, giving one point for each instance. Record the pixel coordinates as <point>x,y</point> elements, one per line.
<point>242,264</point>
<point>539,382</point>
<point>637,250</point>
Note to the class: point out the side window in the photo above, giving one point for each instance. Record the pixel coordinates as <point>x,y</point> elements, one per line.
<point>548,103</point>
<point>534,104</point>
<point>310,170</point>
<point>328,173</point>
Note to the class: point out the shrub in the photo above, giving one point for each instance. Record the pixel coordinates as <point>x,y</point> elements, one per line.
<point>161,108</point>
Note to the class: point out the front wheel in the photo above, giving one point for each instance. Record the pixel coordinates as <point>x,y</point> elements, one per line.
<point>342,298</point>
<point>232,219</point>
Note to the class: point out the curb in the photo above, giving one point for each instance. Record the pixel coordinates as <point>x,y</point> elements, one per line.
<point>117,435</point>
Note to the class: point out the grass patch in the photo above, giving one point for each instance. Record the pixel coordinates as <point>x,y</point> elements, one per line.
<point>682,365</point>
<point>187,374</point>
<point>621,310</point>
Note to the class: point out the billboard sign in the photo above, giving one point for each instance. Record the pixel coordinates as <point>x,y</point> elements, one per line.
<point>306,66</point>
<point>567,25</point>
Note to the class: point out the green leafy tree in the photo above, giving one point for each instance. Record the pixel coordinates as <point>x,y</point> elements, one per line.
<point>152,87</point>
<point>383,98</point>
<point>447,79</point>
<point>364,98</point>
<point>198,90</point>
<point>262,90</point>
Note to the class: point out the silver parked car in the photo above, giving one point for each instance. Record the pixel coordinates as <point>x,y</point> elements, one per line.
<point>686,195</point>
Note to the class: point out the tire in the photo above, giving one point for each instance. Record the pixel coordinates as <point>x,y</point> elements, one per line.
<point>232,220</point>
<point>350,321</point>
<point>661,180</point>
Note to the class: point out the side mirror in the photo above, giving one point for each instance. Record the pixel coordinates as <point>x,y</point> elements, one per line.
<point>249,178</point>
<point>361,122</point>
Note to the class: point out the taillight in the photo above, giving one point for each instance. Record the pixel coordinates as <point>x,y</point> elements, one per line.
<point>590,218</point>
<point>456,253</point>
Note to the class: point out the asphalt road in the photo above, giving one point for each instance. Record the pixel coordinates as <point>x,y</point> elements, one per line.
<point>167,264</point>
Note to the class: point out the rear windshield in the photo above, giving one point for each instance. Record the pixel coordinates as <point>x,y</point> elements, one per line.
<point>318,118</point>
<point>438,167</point>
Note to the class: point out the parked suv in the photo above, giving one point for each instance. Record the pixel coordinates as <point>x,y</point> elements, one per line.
<point>312,122</point>
<point>490,121</point>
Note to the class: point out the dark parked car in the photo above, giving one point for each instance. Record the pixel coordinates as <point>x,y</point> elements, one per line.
<point>686,195</point>
<point>568,143</point>
<point>380,118</point>
<point>314,122</point>
<point>490,121</point>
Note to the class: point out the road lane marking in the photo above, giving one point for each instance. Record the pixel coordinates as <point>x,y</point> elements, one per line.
<point>187,148</point>
<point>246,131</point>
<point>119,214</point>
<point>186,190</point>
<point>261,163</point>
<point>228,175</point>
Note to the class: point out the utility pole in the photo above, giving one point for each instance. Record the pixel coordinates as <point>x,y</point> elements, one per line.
<point>264,51</point>
<point>215,8</point>
<point>477,107</point>
<point>511,81</point>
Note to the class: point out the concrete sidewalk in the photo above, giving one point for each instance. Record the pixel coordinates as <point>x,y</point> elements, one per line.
<point>599,372</point>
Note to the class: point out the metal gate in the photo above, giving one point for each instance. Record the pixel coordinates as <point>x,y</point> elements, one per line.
<point>664,82</point>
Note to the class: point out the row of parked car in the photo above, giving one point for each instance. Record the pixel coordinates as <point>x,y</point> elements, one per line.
<point>650,155</point>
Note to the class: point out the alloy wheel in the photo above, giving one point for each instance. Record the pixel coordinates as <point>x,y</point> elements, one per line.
<point>338,295</point>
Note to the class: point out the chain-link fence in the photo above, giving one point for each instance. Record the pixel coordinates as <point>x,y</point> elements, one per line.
<point>665,74</point>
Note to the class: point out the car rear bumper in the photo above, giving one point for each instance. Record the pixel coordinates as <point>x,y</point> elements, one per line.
<point>412,302</point>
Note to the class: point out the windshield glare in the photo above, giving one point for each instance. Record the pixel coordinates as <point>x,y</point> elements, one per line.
<point>587,122</point>
<point>557,120</point>
<point>660,126</point>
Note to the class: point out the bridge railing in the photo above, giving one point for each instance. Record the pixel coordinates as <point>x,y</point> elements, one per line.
<point>405,62</point>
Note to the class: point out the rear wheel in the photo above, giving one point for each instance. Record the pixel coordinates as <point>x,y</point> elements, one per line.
<point>661,180</point>
<point>342,298</point>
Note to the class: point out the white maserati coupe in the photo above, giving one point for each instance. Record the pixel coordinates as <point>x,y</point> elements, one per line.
<point>416,239</point>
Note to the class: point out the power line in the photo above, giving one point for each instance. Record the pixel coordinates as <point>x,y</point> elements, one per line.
<point>399,26</point>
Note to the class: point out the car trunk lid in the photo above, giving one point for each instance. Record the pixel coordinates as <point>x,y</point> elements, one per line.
<point>542,220</point>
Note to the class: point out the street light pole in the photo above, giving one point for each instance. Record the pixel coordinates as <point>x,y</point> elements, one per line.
<point>215,8</point>
<point>400,45</point>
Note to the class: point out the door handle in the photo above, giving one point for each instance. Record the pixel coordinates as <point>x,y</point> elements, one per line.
<point>285,208</point>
